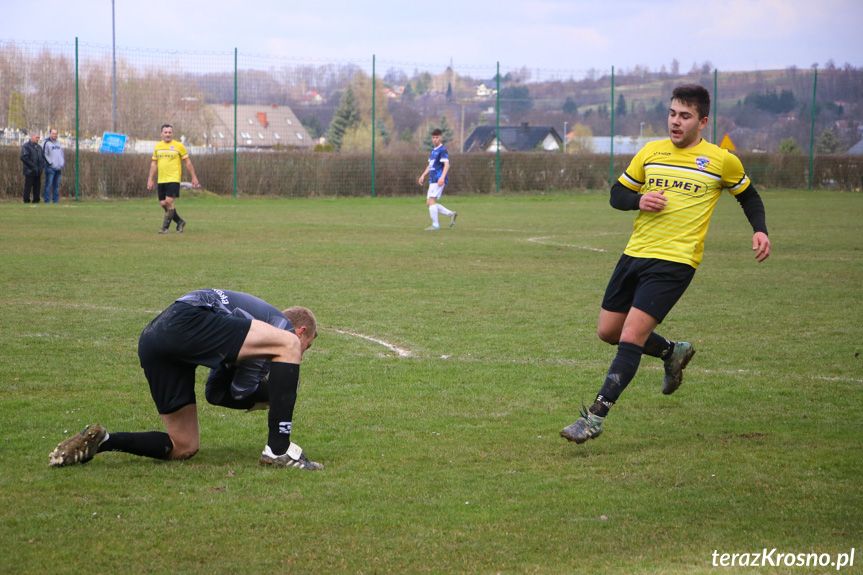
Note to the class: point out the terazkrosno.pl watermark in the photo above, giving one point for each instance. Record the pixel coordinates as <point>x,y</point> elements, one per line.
<point>774,558</point>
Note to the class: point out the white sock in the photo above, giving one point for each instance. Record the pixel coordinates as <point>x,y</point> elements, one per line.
<point>433,214</point>
<point>443,210</point>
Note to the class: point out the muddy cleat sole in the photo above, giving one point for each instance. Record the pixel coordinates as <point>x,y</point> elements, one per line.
<point>180,225</point>
<point>79,448</point>
<point>293,458</point>
<point>588,426</point>
<point>674,366</point>
<point>452,219</point>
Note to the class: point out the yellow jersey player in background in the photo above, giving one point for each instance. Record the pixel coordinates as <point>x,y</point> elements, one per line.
<point>168,159</point>
<point>675,184</point>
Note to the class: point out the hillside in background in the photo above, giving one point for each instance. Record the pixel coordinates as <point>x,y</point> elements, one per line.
<point>766,110</point>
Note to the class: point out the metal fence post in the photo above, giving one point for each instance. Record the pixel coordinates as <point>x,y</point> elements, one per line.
<point>812,130</point>
<point>497,129</point>
<point>374,126</point>
<point>77,127</point>
<point>611,150</point>
<point>235,122</point>
<point>715,101</point>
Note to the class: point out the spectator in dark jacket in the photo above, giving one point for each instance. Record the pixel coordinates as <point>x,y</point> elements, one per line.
<point>34,163</point>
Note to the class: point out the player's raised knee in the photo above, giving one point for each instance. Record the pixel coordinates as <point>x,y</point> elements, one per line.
<point>611,337</point>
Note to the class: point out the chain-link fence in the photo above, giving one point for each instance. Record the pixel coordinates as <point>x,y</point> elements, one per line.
<point>257,124</point>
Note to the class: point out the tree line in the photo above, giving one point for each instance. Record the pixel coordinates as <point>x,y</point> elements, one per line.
<point>762,110</point>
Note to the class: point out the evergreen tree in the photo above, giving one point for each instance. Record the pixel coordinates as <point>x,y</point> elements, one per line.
<point>408,94</point>
<point>347,116</point>
<point>423,83</point>
<point>570,107</point>
<point>773,103</point>
<point>621,106</point>
<point>427,141</point>
<point>449,92</point>
<point>789,146</point>
<point>447,133</point>
<point>312,126</point>
<point>828,143</point>
<point>383,131</point>
<point>787,101</point>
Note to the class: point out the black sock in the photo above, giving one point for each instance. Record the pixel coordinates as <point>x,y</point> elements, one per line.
<point>177,217</point>
<point>600,406</point>
<point>283,382</point>
<point>658,346</point>
<point>619,375</point>
<point>155,444</point>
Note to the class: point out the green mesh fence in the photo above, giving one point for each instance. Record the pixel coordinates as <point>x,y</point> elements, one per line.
<point>258,124</point>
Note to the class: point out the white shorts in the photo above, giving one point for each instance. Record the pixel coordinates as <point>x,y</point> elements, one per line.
<point>436,190</point>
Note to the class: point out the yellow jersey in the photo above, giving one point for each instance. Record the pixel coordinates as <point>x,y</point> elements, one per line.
<point>168,158</point>
<point>692,179</point>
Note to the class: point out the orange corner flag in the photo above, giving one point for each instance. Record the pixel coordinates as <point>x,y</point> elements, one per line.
<point>727,144</point>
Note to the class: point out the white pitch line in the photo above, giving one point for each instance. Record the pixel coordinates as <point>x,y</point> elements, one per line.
<point>403,352</point>
<point>400,351</point>
<point>543,241</point>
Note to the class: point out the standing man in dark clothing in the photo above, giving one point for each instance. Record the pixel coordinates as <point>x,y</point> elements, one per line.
<point>223,330</point>
<point>34,163</point>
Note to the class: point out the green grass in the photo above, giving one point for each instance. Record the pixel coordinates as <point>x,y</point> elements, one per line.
<point>447,461</point>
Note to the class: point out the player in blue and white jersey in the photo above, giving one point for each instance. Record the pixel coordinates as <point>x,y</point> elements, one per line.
<point>437,173</point>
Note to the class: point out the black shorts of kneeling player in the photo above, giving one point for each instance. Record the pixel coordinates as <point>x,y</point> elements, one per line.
<point>181,338</point>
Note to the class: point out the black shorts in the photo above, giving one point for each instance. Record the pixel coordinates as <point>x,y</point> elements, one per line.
<point>179,340</point>
<point>168,190</point>
<point>651,285</point>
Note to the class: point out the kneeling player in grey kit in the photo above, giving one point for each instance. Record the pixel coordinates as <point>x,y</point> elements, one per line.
<point>237,336</point>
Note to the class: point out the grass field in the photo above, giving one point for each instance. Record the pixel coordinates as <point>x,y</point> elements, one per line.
<point>445,458</point>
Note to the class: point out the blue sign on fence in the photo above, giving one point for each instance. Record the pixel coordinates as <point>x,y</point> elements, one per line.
<point>113,143</point>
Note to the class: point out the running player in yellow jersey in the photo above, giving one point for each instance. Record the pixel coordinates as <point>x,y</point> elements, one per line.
<point>674,184</point>
<point>168,159</point>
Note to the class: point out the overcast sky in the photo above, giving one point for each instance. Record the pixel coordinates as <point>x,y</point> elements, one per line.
<point>550,34</point>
